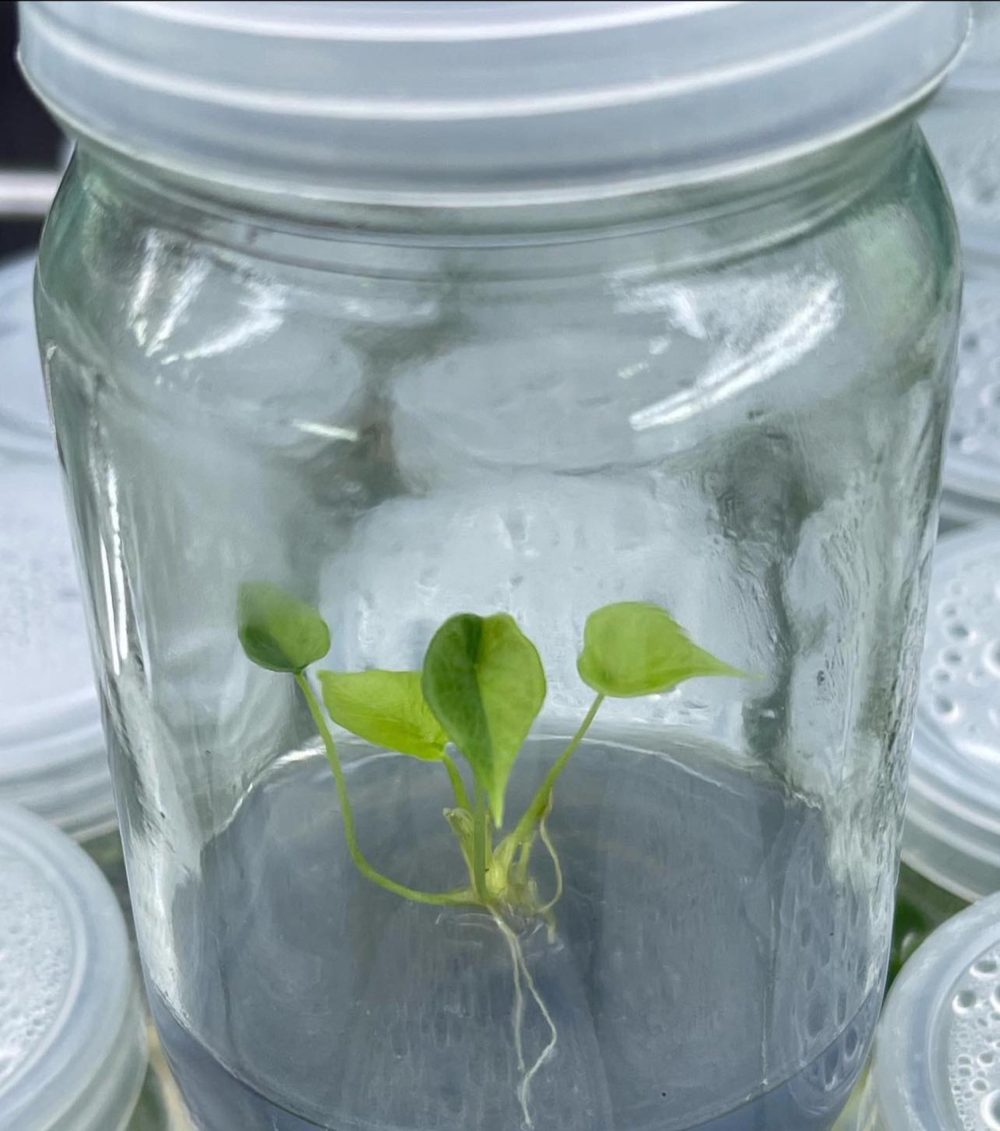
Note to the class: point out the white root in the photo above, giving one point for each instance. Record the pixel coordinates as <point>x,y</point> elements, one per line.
<point>522,973</point>
<point>518,1018</point>
<point>543,832</point>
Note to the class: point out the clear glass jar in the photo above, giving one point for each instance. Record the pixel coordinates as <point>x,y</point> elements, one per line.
<point>724,399</point>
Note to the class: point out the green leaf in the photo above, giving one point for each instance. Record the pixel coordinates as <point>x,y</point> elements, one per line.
<point>637,648</point>
<point>484,681</point>
<point>278,631</point>
<point>385,708</point>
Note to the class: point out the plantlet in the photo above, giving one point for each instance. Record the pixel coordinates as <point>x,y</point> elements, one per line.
<point>480,690</point>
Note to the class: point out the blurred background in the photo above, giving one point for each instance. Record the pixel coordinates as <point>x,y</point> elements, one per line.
<point>31,149</point>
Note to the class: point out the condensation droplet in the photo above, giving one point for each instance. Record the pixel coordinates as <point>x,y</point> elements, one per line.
<point>964,1001</point>
<point>944,707</point>
<point>990,1111</point>
<point>978,677</point>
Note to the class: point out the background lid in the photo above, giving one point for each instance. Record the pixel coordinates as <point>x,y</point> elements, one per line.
<point>960,124</point>
<point>24,415</point>
<point>430,102</point>
<point>52,752</point>
<point>980,66</point>
<point>72,1041</point>
<point>972,455</point>
<point>952,832</point>
<point>936,1065</point>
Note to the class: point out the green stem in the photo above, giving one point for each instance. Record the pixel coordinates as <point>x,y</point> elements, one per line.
<point>350,834</point>
<point>461,794</point>
<point>525,830</point>
<point>479,834</point>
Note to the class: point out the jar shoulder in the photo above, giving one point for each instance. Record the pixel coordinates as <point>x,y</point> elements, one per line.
<point>216,303</point>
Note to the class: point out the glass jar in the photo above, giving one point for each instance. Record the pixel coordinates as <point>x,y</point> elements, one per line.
<point>319,413</point>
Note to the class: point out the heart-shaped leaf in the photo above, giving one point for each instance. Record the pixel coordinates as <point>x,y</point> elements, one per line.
<point>385,708</point>
<point>637,648</point>
<point>484,681</point>
<point>278,631</point>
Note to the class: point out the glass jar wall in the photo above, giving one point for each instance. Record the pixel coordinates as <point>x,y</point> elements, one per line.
<point>400,432</point>
<point>718,407</point>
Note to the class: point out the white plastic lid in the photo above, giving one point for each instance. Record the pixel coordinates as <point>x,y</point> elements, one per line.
<point>952,832</point>
<point>972,453</point>
<point>437,102</point>
<point>936,1064</point>
<point>980,66</point>
<point>73,1047</point>
<point>24,417</point>
<point>960,124</point>
<point>52,753</point>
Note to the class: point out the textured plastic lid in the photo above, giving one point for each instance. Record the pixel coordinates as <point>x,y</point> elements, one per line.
<point>24,417</point>
<point>952,832</point>
<point>936,1064</point>
<point>960,124</point>
<point>73,1048</point>
<point>52,753</point>
<point>426,102</point>
<point>972,456</point>
<point>980,65</point>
